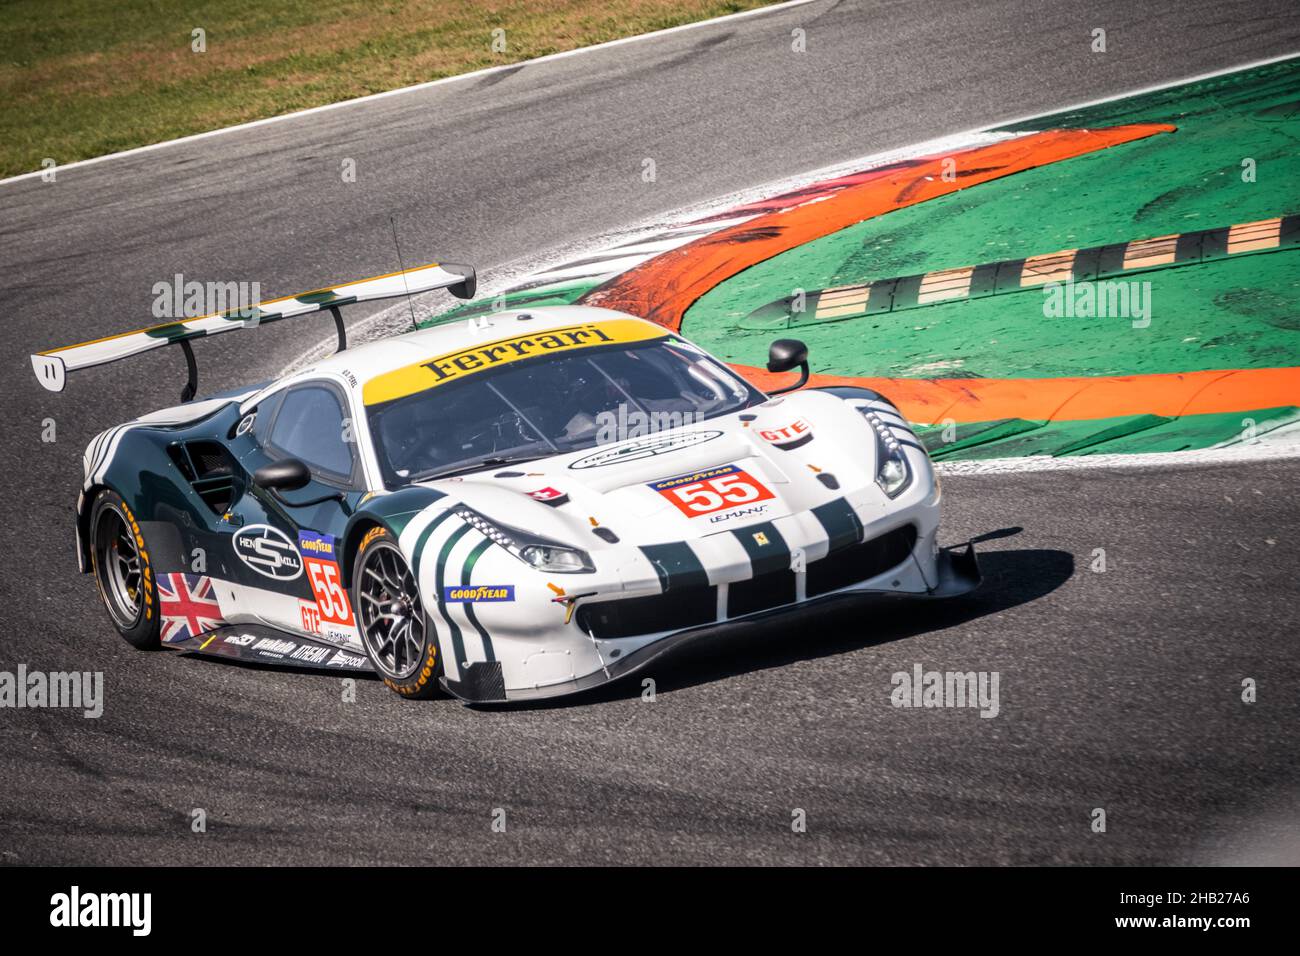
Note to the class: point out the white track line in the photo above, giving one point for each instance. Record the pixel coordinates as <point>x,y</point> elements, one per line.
<point>1280,444</point>
<point>486,71</point>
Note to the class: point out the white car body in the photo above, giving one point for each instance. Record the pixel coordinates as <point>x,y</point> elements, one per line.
<point>555,635</point>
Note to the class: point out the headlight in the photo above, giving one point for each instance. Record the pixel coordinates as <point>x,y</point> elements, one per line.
<point>552,558</point>
<point>892,472</point>
<point>535,551</point>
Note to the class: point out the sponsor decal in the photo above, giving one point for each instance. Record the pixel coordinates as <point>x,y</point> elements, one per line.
<point>268,551</point>
<point>549,496</point>
<point>344,659</point>
<point>371,535</point>
<point>789,437</point>
<point>712,490</point>
<point>332,605</point>
<point>478,593</point>
<point>286,650</point>
<point>738,513</point>
<point>310,614</point>
<point>340,635</point>
<point>316,545</point>
<point>145,567</point>
<point>480,357</point>
<point>646,447</point>
<point>760,538</point>
<point>188,606</point>
<point>310,654</point>
<point>274,647</point>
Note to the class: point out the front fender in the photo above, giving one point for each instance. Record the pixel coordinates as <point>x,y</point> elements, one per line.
<point>392,511</point>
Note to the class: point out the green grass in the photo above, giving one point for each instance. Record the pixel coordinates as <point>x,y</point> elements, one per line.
<point>82,78</point>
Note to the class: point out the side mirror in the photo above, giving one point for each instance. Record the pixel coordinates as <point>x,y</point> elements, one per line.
<point>289,474</point>
<point>784,355</point>
<point>285,475</point>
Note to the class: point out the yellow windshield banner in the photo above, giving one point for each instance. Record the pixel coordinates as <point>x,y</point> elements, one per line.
<point>454,366</point>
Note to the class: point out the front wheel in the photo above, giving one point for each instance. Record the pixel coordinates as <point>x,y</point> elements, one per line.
<point>398,636</point>
<point>120,561</point>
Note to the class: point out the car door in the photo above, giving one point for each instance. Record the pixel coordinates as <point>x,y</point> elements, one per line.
<point>288,540</point>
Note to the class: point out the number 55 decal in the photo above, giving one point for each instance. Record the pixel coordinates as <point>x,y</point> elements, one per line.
<point>330,597</point>
<point>323,572</point>
<point>716,489</point>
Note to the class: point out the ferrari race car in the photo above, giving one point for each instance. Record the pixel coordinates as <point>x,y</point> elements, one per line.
<point>526,505</point>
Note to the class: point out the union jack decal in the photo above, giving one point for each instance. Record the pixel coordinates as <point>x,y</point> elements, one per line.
<point>189,606</point>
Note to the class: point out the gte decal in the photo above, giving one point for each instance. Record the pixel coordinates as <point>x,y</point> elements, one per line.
<point>310,614</point>
<point>268,551</point>
<point>477,593</point>
<point>790,437</point>
<point>714,489</point>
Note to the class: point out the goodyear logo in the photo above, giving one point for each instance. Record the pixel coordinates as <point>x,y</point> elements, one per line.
<point>480,357</point>
<point>664,484</point>
<point>316,545</point>
<point>474,594</point>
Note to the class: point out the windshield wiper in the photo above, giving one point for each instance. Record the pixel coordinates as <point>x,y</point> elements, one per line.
<point>479,465</point>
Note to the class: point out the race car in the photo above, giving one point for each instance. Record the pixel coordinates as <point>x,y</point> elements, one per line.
<point>521,506</point>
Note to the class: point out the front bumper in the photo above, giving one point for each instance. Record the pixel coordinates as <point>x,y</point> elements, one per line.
<point>956,571</point>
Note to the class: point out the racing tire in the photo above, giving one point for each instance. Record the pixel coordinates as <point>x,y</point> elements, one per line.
<point>119,560</point>
<point>400,639</point>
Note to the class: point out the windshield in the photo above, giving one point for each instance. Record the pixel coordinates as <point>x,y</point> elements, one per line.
<point>551,405</point>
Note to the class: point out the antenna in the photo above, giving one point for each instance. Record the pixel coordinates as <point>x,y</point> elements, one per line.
<point>402,265</point>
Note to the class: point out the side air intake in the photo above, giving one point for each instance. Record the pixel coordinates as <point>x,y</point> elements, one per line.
<point>209,468</point>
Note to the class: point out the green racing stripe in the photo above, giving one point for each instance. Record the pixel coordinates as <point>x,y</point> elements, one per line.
<point>466,573</point>
<point>457,642</point>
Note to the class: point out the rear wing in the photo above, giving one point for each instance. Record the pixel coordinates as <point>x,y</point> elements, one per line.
<point>52,367</point>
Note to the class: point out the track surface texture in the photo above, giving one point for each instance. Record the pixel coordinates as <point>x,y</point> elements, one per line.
<point>1119,690</point>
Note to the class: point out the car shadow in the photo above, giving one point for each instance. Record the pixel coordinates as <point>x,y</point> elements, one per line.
<point>1011,578</point>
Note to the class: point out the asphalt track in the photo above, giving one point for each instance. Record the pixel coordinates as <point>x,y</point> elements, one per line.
<point>1119,690</point>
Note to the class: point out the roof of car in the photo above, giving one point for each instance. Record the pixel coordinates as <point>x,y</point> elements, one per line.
<point>387,358</point>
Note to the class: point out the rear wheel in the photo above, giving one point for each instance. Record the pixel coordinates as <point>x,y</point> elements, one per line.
<point>398,636</point>
<point>120,561</point>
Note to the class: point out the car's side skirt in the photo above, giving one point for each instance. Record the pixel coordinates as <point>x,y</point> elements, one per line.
<point>259,644</point>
